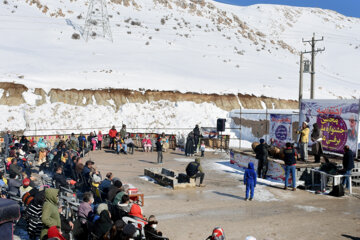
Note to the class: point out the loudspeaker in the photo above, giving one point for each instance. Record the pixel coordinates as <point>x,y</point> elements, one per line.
<point>220,124</point>
<point>338,191</point>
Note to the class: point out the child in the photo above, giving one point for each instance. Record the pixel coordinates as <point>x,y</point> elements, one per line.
<point>202,148</point>
<point>250,181</point>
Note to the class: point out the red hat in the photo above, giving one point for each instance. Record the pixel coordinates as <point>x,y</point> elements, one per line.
<point>26,182</point>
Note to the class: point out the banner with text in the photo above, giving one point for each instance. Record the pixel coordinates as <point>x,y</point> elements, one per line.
<point>337,119</point>
<point>280,129</point>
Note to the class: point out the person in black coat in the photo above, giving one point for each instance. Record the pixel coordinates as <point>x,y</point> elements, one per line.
<point>261,151</point>
<point>189,147</point>
<point>159,149</point>
<point>290,165</point>
<point>348,165</point>
<point>59,178</point>
<point>316,137</point>
<point>197,135</point>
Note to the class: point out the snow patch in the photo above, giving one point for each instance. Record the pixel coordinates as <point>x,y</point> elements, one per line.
<point>31,98</point>
<point>310,208</point>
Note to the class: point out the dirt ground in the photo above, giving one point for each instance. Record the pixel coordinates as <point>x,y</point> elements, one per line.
<point>192,213</point>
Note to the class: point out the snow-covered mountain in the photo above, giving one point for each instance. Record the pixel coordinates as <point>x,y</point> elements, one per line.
<point>200,60</point>
<point>185,45</point>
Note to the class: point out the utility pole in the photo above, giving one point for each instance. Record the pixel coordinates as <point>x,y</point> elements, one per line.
<point>312,43</point>
<point>97,18</point>
<point>301,78</point>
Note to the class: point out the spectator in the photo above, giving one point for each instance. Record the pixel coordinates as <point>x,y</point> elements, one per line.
<point>99,137</point>
<point>3,180</point>
<point>128,232</point>
<point>304,141</point>
<point>34,213</point>
<point>151,228</point>
<point>14,184</point>
<point>348,165</point>
<point>66,225</point>
<point>194,170</point>
<point>136,213</point>
<point>14,168</point>
<point>290,165</point>
<point>125,203</point>
<point>165,142</point>
<point>120,194</point>
<point>59,178</point>
<point>112,135</point>
<point>106,183</point>
<point>85,207</point>
<point>159,150</point>
<point>82,142</point>
<point>88,168</point>
<point>7,141</point>
<point>316,138</point>
<point>217,234</point>
<point>123,131</point>
<point>250,181</point>
<point>130,144</point>
<point>103,225</point>
<point>202,148</point>
<point>261,151</point>
<point>189,147</point>
<point>25,187</point>
<point>54,233</point>
<point>146,142</point>
<point>50,214</point>
<point>197,135</point>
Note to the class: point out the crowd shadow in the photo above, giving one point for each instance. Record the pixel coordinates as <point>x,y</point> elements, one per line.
<point>176,153</point>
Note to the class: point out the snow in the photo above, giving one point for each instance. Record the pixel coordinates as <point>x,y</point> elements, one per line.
<point>39,48</point>
<point>30,97</point>
<point>310,208</point>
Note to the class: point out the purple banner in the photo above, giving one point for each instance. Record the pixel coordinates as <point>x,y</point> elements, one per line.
<point>280,129</point>
<point>338,121</point>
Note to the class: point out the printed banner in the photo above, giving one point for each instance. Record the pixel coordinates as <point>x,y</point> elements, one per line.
<point>280,129</point>
<point>276,171</point>
<point>337,119</point>
<point>209,132</point>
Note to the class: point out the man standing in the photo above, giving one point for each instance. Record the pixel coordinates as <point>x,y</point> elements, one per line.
<point>112,135</point>
<point>304,141</point>
<point>348,165</point>
<point>290,165</point>
<point>7,141</point>
<point>261,151</point>
<point>197,134</point>
<point>159,150</point>
<point>123,131</point>
<point>194,170</point>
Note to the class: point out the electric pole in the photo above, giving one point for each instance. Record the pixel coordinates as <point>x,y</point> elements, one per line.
<point>97,21</point>
<point>301,78</point>
<point>312,43</point>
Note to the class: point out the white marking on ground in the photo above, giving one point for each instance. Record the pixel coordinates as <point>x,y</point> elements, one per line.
<point>310,208</point>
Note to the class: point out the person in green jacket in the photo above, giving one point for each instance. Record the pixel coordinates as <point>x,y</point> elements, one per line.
<point>50,214</point>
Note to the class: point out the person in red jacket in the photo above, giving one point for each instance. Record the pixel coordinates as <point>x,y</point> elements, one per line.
<point>112,135</point>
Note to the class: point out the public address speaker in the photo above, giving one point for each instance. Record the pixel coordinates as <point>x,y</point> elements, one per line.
<point>220,124</point>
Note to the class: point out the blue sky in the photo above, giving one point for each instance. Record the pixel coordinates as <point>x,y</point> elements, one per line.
<point>349,8</point>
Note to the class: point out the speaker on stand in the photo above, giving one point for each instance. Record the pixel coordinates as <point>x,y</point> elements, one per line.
<point>220,127</point>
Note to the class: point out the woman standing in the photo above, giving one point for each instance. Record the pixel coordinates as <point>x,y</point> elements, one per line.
<point>100,137</point>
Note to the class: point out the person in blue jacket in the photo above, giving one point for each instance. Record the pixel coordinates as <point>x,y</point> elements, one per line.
<point>250,181</point>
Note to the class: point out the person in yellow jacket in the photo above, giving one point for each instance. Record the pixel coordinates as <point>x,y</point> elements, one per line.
<point>304,141</point>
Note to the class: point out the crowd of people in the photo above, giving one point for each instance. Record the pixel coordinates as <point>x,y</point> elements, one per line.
<point>63,197</point>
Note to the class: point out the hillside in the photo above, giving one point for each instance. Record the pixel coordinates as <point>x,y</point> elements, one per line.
<point>171,64</point>
<point>183,45</point>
